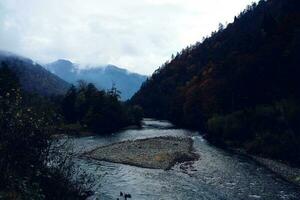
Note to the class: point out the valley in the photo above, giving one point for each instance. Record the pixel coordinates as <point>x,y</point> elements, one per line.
<point>218,120</point>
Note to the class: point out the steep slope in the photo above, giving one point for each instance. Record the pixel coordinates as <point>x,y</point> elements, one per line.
<point>245,64</point>
<point>241,84</point>
<point>33,77</point>
<point>103,77</point>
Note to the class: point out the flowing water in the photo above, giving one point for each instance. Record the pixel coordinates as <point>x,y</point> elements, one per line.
<point>216,175</point>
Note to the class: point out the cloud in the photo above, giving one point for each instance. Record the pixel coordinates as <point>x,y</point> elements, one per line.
<point>137,34</point>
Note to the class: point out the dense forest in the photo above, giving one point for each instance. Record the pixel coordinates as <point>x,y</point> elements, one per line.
<point>240,86</point>
<point>101,112</point>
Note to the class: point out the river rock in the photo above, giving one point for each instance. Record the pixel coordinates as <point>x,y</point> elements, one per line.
<point>156,153</point>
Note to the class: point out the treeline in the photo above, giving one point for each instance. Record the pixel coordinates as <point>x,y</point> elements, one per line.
<point>98,111</point>
<point>26,125</point>
<point>240,85</point>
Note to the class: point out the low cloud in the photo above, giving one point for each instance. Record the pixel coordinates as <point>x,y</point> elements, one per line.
<point>139,35</point>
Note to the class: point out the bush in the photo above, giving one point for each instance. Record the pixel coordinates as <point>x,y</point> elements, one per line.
<point>269,130</point>
<point>233,127</point>
<point>25,147</point>
<point>279,145</point>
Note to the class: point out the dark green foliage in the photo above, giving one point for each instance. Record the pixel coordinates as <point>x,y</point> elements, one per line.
<point>23,142</point>
<point>68,105</point>
<point>271,130</point>
<point>99,111</point>
<point>253,61</point>
<point>26,123</point>
<point>135,114</point>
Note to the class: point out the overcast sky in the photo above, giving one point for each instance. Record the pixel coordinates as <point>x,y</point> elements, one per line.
<point>138,35</point>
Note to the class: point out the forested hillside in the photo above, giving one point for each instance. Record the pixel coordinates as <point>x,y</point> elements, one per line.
<point>241,84</point>
<point>33,77</point>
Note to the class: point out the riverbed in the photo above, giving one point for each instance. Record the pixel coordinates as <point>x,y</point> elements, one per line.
<point>217,174</point>
<point>154,153</point>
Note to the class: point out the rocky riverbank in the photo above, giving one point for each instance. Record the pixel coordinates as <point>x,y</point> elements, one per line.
<point>287,172</point>
<point>156,153</point>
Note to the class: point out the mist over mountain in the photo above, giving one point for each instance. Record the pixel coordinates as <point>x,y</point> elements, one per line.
<point>32,76</point>
<point>104,77</point>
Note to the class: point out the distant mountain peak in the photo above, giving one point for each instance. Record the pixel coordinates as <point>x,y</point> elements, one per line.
<point>115,68</point>
<point>102,76</point>
<point>63,61</point>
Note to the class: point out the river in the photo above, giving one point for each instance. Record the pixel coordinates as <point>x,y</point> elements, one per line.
<point>216,175</point>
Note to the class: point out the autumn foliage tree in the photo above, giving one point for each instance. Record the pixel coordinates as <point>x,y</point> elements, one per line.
<point>251,63</point>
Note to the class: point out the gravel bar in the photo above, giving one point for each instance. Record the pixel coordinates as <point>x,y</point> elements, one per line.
<point>155,153</point>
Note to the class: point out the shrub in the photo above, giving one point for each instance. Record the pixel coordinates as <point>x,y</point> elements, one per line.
<point>268,130</point>
<point>25,147</point>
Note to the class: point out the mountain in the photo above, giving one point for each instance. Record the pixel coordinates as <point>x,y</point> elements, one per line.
<point>240,85</point>
<point>33,77</point>
<point>103,77</point>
